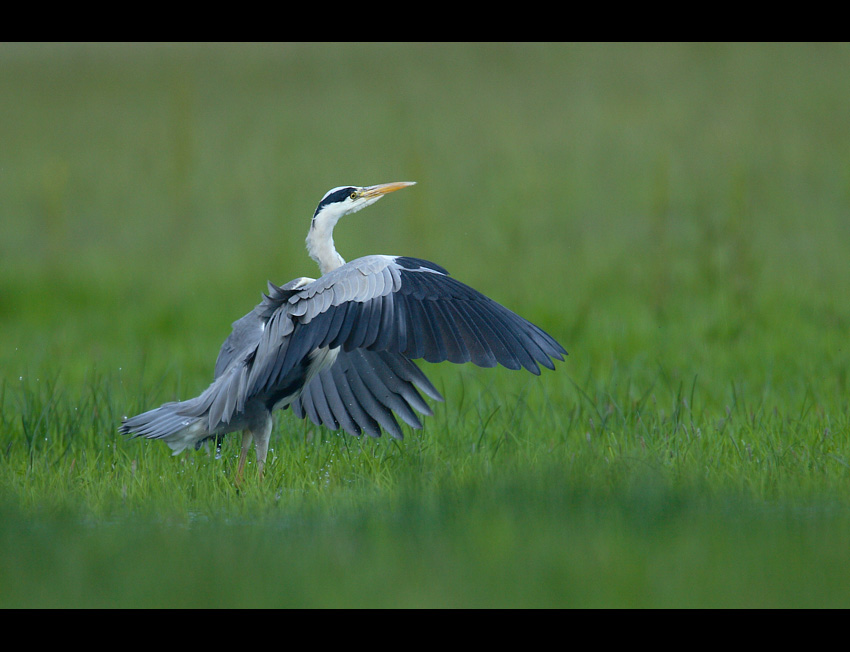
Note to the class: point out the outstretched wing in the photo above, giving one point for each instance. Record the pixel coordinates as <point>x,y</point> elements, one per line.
<point>402,305</point>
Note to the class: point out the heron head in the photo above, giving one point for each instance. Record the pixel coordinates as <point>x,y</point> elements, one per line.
<point>336,203</point>
<point>350,199</point>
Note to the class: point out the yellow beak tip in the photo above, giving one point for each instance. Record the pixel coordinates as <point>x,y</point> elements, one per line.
<point>385,188</point>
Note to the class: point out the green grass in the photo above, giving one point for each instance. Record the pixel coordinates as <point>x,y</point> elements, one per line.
<point>677,216</point>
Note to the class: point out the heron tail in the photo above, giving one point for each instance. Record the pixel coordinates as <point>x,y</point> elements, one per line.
<point>169,423</point>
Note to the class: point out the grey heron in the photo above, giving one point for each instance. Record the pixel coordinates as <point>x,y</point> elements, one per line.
<point>339,349</point>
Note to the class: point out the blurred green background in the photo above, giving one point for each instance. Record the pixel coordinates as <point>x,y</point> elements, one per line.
<point>151,187</point>
<point>676,215</point>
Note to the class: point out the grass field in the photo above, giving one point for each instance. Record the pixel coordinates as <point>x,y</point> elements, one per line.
<point>677,216</point>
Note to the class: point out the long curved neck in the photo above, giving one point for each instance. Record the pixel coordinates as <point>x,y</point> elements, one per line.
<point>320,243</point>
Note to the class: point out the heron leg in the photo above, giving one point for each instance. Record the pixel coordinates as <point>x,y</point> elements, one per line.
<point>262,434</point>
<point>247,438</point>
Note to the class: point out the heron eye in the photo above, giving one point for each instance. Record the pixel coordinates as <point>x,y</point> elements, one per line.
<point>353,195</point>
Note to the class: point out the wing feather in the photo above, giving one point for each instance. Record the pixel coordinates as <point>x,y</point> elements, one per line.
<point>364,391</point>
<point>360,330</point>
<point>378,415</point>
<point>432,343</point>
<point>503,327</point>
<point>383,329</point>
<point>492,336</point>
<point>336,404</point>
<point>480,353</point>
<point>314,396</point>
<point>397,393</point>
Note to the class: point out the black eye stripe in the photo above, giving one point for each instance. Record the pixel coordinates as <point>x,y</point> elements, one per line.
<point>336,196</point>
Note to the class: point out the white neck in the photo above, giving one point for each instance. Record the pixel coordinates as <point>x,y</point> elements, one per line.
<point>320,242</point>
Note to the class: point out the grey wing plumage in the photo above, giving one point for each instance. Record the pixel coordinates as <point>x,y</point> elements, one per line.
<point>248,331</point>
<point>380,312</point>
<point>440,318</point>
<point>407,306</point>
<point>363,388</point>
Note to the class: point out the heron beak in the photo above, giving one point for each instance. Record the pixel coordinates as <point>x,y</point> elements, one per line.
<point>382,189</point>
